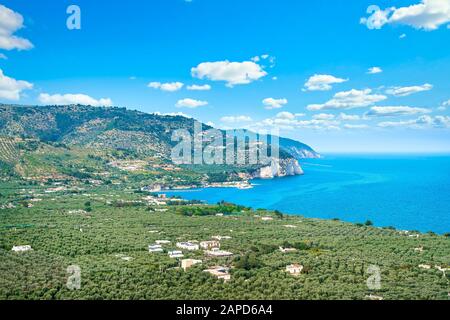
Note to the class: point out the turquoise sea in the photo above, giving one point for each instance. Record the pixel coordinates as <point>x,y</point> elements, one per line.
<point>409,192</point>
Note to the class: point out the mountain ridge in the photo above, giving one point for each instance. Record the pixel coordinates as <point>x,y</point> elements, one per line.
<point>116,133</point>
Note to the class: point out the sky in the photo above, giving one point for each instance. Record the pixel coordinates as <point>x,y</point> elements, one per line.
<point>339,75</point>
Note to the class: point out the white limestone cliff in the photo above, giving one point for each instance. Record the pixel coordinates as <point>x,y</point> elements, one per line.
<point>280,168</point>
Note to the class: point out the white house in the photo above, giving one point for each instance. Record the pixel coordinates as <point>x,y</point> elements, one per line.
<point>187,263</point>
<point>176,254</point>
<point>161,242</point>
<point>220,272</point>
<point>209,244</point>
<point>188,246</point>
<point>294,269</point>
<point>219,238</point>
<point>266,218</point>
<point>216,252</point>
<point>287,250</point>
<point>21,248</point>
<point>155,248</point>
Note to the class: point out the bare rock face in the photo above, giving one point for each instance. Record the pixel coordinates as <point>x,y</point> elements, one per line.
<point>280,168</point>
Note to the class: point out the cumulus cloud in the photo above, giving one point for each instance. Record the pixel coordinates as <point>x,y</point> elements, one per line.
<point>67,99</point>
<point>374,70</point>
<point>355,126</point>
<point>10,88</point>
<point>235,119</point>
<point>322,82</point>
<point>444,105</point>
<point>324,116</point>
<point>419,123</point>
<point>233,73</point>
<point>190,103</point>
<point>169,86</point>
<point>349,100</point>
<point>271,103</point>
<point>427,15</point>
<point>349,117</point>
<point>392,111</point>
<point>10,22</point>
<point>196,87</point>
<point>290,121</point>
<point>286,115</point>
<point>406,91</point>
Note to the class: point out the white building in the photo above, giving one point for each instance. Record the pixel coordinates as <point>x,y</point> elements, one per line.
<point>266,218</point>
<point>161,242</point>
<point>21,248</point>
<point>287,250</point>
<point>188,246</point>
<point>155,248</point>
<point>220,272</point>
<point>187,263</point>
<point>176,254</point>
<point>219,238</point>
<point>216,252</point>
<point>209,244</point>
<point>294,269</point>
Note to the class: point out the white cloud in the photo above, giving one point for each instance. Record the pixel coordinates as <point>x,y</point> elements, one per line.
<point>390,111</point>
<point>322,82</point>
<point>349,117</point>
<point>286,115</point>
<point>402,36</point>
<point>2,56</point>
<point>374,70</point>
<point>190,103</point>
<point>67,99</point>
<point>235,119</point>
<point>355,126</point>
<point>196,87</point>
<point>233,73</point>
<point>271,103</point>
<point>406,91</point>
<point>289,121</point>
<point>323,116</point>
<point>444,105</point>
<point>169,86</point>
<point>11,88</point>
<point>419,123</point>
<point>426,15</point>
<point>349,100</point>
<point>10,22</point>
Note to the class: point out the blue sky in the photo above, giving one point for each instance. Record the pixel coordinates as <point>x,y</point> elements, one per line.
<point>303,67</point>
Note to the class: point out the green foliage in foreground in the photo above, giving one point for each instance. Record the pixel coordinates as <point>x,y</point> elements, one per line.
<point>335,255</point>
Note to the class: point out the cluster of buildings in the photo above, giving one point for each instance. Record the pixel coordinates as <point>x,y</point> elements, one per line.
<point>211,248</point>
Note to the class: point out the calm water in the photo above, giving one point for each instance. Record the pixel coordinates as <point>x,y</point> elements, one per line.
<point>407,192</point>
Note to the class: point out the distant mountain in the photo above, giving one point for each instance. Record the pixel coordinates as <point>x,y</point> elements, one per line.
<point>108,133</point>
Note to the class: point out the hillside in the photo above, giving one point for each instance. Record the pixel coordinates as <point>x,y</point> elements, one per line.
<point>106,231</point>
<point>91,142</point>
